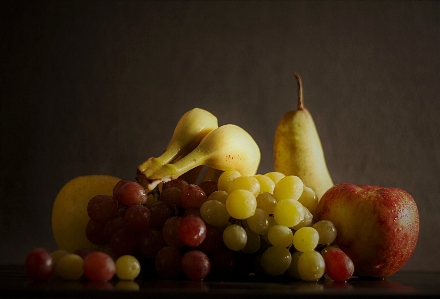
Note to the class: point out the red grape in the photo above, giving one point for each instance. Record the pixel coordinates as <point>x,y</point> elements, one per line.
<point>192,230</point>
<point>39,264</point>
<point>168,262</point>
<point>130,193</point>
<point>95,232</point>
<point>102,208</point>
<point>338,266</point>
<point>193,212</point>
<point>213,240</point>
<point>137,218</point>
<point>179,183</point>
<point>160,212</point>
<point>196,265</point>
<point>192,196</point>
<point>208,187</point>
<point>83,252</point>
<point>112,226</point>
<point>123,241</point>
<point>170,232</point>
<point>99,266</point>
<point>150,242</point>
<point>171,196</point>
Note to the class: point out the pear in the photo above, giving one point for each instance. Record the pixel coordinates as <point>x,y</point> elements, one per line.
<point>298,149</point>
<point>227,147</point>
<point>189,131</point>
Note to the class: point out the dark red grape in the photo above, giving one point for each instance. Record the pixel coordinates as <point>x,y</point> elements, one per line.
<point>95,232</point>
<point>338,266</point>
<point>213,241</point>
<point>178,183</point>
<point>123,241</point>
<point>150,242</point>
<point>39,264</point>
<point>192,230</point>
<point>192,212</point>
<point>170,232</point>
<point>137,218</point>
<point>208,187</point>
<point>99,266</point>
<point>171,196</point>
<point>102,208</point>
<point>223,262</point>
<point>168,262</point>
<point>196,265</point>
<point>160,212</point>
<point>192,196</point>
<point>130,193</point>
<point>83,252</point>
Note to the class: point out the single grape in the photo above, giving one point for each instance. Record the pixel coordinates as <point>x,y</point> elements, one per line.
<point>289,187</point>
<point>338,266</point>
<point>150,242</point>
<point>275,176</point>
<point>326,230</point>
<point>241,204</point>
<point>171,195</point>
<point>259,222</point>
<point>293,268</point>
<point>280,236</point>
<point>288,212</point>
<point>266,183</point>
<point>178,183</point>
<point>235,237</point>
<point>226,178</point>
<point>196,265</point>
<point>214,212</point>
<point>208,187</point>
<point>220,196</point>
<point>249,183</point>
<point>57,254</point>
<point>102,208</point>
<point>309,199</point>
<point>99,266</point>
<point>127,267</point>
<point>192,196</point>
<point>168,262</point>
<point>39,264</point>
<point>252,241</point>
<point>95,232</point>
<point>192,230</point>
<point>70,267</point>
<point>130,193</point>
<point>306,221</point>
<point>137,218</point>
<point>311,266</point>
<point>213,240</point>
<point>275,260</point>
<point>305,239</point>
<point>123,241</point>
<point>170,232</point>
<point>266,201</point>
<point>160,212</point>
<point>111,227</point>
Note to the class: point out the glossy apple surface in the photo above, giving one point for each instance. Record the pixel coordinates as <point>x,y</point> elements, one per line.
<point>376,227</point>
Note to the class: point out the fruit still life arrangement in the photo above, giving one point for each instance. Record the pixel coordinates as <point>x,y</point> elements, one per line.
<point>201,211</point>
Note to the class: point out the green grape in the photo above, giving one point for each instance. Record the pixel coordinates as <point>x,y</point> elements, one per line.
<point>280,236</point>
<point>220,196</point>
<point>214,212</point>
<point>293,268</point>
<point>259,222</point>
<point>226,178</point>
<point>266,183</point>
<point>309,199</point>
<point>266,201</point>
<point>252,243</point>
<point>327,248</point>
<point>289,187</point>
<point>306,221</point>
<point>326,230</point>
<point>70,267</point>
<point>311,266</point>
<point>235,237</point>
<point>275,176</point>
<point>241,204</point>
<point>288,212</point>
<point>305,239</point>
<point>127,267</point>
<point>248,183</point>
<point>275,260</point>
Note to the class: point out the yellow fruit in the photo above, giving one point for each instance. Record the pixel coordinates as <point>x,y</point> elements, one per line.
<point>69,211</point>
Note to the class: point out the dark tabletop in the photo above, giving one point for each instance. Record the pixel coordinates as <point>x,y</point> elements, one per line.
<point>15,284</point>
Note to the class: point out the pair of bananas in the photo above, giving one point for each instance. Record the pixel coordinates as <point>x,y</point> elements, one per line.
<point>198,141</point>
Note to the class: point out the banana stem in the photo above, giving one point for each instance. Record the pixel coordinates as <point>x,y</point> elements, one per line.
<point>300,91</point>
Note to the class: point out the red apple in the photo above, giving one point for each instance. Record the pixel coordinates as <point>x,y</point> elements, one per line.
<point>376,227</point>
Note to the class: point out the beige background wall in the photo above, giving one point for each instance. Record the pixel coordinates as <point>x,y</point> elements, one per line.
<point>97,87</point>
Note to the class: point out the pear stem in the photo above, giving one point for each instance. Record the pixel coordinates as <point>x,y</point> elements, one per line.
<point>300,91</point>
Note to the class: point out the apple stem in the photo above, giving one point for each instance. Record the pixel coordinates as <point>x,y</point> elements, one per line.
<point>300,91</point>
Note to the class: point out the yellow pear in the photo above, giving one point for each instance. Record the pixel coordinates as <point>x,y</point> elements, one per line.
<point>227,147</point>
<point>69,211</point>
<point>298,150</point>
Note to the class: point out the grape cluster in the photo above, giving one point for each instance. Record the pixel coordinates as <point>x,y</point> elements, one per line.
<point>236,226</point>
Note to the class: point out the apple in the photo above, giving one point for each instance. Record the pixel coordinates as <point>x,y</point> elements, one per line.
<point>376,227</point>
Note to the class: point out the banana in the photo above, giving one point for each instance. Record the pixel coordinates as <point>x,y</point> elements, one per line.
<point>227,147</point>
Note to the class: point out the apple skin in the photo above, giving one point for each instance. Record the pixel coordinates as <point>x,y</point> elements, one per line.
<point>376,227</point>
